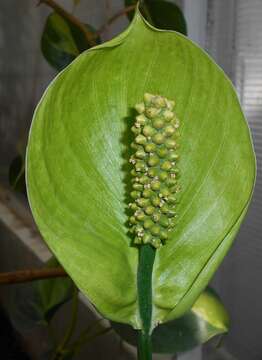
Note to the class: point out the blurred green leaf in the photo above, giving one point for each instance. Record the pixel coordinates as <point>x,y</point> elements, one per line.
<point>62,41</point>
<point>207,318</point>
<point>76,2</point>
<point>52,294</point>
<point>130,14</point>
<point>35,303</point>
<point>17,174</point>
<point>79,37</point>
<point>57,43</point>
<point>69,355</point>
<point>162,14</point>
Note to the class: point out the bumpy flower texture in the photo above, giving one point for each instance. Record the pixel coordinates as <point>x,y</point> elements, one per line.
<point>155,172</point>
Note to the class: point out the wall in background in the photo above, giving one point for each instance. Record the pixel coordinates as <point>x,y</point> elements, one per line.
<point>23,72</point>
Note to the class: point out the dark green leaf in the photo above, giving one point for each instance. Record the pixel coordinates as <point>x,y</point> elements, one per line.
<point>162,14</point>
<point>52,293</point>
<point>130,14</point>
<point>206,319</point>
<point>76,2</point>
<point>62,41</point>
<point>58,45</point>
<point>79,37</point>
<point>17,174</point>
<point>35,303</point>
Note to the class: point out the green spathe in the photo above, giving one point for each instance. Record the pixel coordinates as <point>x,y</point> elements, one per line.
<point>78,173</point>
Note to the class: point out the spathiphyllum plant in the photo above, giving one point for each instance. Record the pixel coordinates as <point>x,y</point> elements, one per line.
<point>140,170</point>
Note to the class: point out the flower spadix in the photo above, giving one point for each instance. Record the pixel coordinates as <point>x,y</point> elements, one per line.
<point>79,180</point>
<point>155,170</point>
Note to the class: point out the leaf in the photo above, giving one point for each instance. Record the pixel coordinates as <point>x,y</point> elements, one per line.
<point>162,14</point>
<point>62,41</point>
<point>79,181</point>
<point>206,319</point>
<point>52,294</point>
<point>79,37</point>
<point>57,43</point>
<point>130,14</point>
<point>76,2</point>
<point>37,302</point>
<point>17,174</point>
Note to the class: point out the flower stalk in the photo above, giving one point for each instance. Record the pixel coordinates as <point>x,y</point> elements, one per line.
<point>144,284</point>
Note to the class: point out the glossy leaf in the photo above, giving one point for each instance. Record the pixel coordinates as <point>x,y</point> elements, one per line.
<point>78,173</point>
<point>162,14</point>
<point>62,41</point>
<point>206,319</point>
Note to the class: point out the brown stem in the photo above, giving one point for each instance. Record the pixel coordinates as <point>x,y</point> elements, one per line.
<point>90,37</point>
<point>72,19</point>
<point>21,276</point>
<point>115,17</point>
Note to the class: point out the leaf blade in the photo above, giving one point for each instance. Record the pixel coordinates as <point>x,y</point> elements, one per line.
<point>52,293</point>
<point>63,41</point>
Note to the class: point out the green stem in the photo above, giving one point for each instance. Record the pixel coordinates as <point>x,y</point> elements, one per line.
<point>86,333</point>
<point>144,346</point>
<point>51,334</point>
<point>77,345</point>
<point>71,18</point>
<point>144,284</point>
<point>72,325</point>
<point>21,173</point>
<point>61,347</point>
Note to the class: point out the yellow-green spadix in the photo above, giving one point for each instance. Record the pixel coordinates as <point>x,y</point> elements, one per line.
<point>159,121</point>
